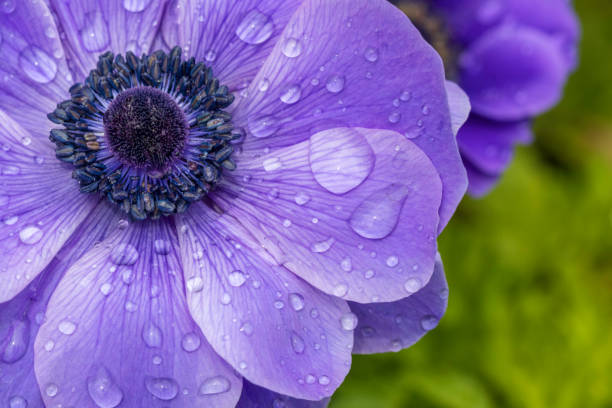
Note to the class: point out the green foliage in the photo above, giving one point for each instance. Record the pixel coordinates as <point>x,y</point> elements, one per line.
<point>529,322</point>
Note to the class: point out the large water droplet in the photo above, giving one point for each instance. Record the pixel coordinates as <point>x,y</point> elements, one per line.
<point>236,278</point>
<point>349,321</point>
<point>195,284</point>
<point>165,389</point>
<point>102,389</point>
<point>94,35</point>
<point>66,327</point>
<point>37,65</point>
<point>51,390</point>
<point>124,254</point>
<point>371,54</point>
<point>335,83</point>
<point>340,159</point>
<point>135,6</point>
<point>322,246</point>
<point>263,127</point>
<point>30,235</point>
<point>215,385</point>
<point>297,343</point>
<point>190,342</point>
<point>292,47</point>
<point>162,247</point>
<point>255,28</point>
<point>152,335</point>
<point>377,215</point>
<point>18,402</point>
<point>291,95</point>
<point>16,341</point>
<point>271,164</point>
<point>297,301</point>
<point>413,285</point>
<point>429,322</point>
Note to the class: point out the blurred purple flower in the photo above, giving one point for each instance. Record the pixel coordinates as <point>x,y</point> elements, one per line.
<point>512,58</point>
<point>233,234</point>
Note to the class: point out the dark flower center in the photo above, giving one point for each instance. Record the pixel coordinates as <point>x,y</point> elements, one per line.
<point>145,128</point>
<point>149,134</point>
<point>433,29</point>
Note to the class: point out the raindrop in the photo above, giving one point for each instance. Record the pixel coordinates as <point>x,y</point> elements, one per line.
<point>263,127</point>
<point>135,6</point>
<point>16,341</point>
<point>371,54</point>
<point>394,117</point>
<point>95,35</point>
<point>165,389</point>
<point>340,290</point>
<point>297,301</point>
<point>210,56</point>
<point>246,328</point>
<point>190,342</point>
<point>369,274</point>
<point>236,278</point>
<point>106,289</point>
<point>215,385</point>
<point>161,246</point>
<point>377,215</point>
<point>124,254</point>
<point>226,299</point>
<point>429,322</point>
<point>335,83</point>
<point>103,391</point>
<point>301,198</point>
<point>412,285</point>
<point>272,164</point>
<point>152,335</point>
<point>51,390</point>
<point>324,380</point>
<point>279,304</point>
<point>292,47</point>
<point>346,265</point>
<point>349,321</point>
<point>264,85</point>
<point>255,28</point>
<point>297,343</point>
<point>30,235</point>
<point>444,294</point>
<point>18,402</point>
<point>322,246</point>
<point>66,327</point>
<point>406,96</point>
<point>291,95</point>
<point>8,6</point>
<point>392,261</point>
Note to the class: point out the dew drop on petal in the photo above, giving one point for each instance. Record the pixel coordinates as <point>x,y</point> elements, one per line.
<point>272,164</point>
<point>378,214</point>
<point>18,402</point>
<point>162,247</point>
<point>165,389</point>
<point>8,6</point>
<point>297,301</point>
<point>340,290</point>
<point>95,35</point>
<point>301,198</point>
<point>66,327</point>
<point>135,6</point>
<point>429,322</point>
<point>37,65</point>
<point>349,321</point>
<point>255,28</point>
<point>152,335</point>
<point>51,390</point>
<point>413,285</point>
<point>124,254</point>
<point>335,83</point>
<point>30,235</point>
<point>263,127</point>
<point>371,54</point>
<point>102,389</point>
<point>236,278</point>
<point>322,246</point>
<point>16,341</point>
<point>297,343</point>
<point>195,284</point>
<point>392,261</point>
<point>324,380</point>
<point>190,342</point>
<point>292,47</point>
<point>291,95</point>
<point>215,385</point>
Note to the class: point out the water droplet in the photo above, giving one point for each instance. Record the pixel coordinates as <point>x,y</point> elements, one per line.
<point>30,235</point>
<point>124,254</point>
<point>95,35</point>
<point>103,390</point>
<point>324,380</point>
<point>66,327</point>
<point>272,164</point>
<point>335,83</point>
<point>340,290</point>
<point>236,278</point>
<point>210,56</point>
<point>152,335</point>
<point>429,322</point>
<point>263,127</point>
<point>394,117</point>
<point>346,265</point>
<point>425,109</point>
<point>190,342</point>
<point>264,85</point>
<point>340,159</point>
<point>195,284</point>
<point>226,299</point>
<point>322,246</point>
<point>413,285</point>
<point>301,198</point>
<point>406,96</point>
<point>16,341</point>
<point>162,247</point>
<point>279,304</point>
<point>371,54</point>
<point>255,28</point>
<point>165,389</point>
<point>377,215</point>
<point>130,306</point>
<point>349,321</point>
<point>292,47</point>
<point>8,6</point>
<point>444,294</point>
<point>18,402</point>
<point>106,289</point>
<point>135,6</point>
<point>51,390</point>
<point>246,328</point>
<point>297,301</point>
<point>291,95</point>
<point>392,261</point>
<point>297,343</point>
<point>369,274</point>
<point>50,345</point>
<point>215,385</point>
<point>157,360</point>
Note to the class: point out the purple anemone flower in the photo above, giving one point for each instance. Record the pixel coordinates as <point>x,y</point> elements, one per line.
<point>512,58</point>
<point>214,203</point>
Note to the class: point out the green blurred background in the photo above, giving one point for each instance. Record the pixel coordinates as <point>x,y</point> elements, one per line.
<point>529,322</point>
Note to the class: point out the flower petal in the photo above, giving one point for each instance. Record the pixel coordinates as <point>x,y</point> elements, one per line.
<point>232,36</point>
<point>524,80</point>
<point>40,207</point>
<point>481,183</point>
<point>394,326</point>
<point>122,333</point>
<point>354,212</point>
<point>354,63</point>
<point>257,397</point>
<point>34,75</point>
<point>459,105</point>
<point>93,27</point>
<point>20,317</point>
<point>276,330</point>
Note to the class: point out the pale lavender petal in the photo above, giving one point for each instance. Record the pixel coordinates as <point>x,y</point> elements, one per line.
<point>34,75</point>
<point>459,105</point>
<point>122,334</point>
<point>354,212</point>
<point>397,325</point>
<point>39,207</point>
<point>357,63</point>
<point>276,330</point>
<point>257,397</point>
<point>234,37</point>
<point>92,27</point>
<point>21,317</point>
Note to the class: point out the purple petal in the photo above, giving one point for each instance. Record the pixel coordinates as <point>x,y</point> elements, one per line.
<point>234,37</point>
<point>524,80</point>
<point>20,317</point>
<point>276,330</point>
<point>119,331</point>
<point>394,326</point>
<point>257,397</point>
<point>34,75</point>
<point>35,218</point>
<point>480,183</point>
<point>357,63</point>
<point>459,105</point>
<point>354,212</point>
<point>93,27</point>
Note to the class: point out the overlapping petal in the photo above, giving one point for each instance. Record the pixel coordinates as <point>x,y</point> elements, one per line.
<point>276,330</point>
<point>118,332</point>
<point>40,207</point>
<point>257,397</point>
